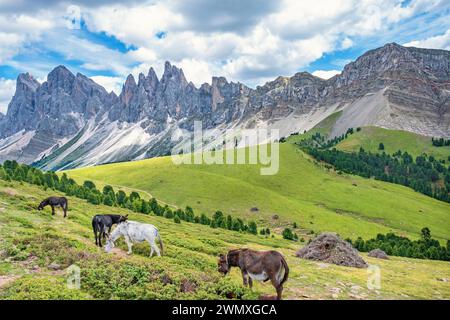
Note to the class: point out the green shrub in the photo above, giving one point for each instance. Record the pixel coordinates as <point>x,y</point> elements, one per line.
<point>41,288</point>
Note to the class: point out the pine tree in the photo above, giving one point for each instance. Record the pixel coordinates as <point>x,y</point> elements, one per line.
<point>121,198</point>
<point>107,200</point>
<point>145,209</point>
<point>252,227</point>
<point>287,234</point>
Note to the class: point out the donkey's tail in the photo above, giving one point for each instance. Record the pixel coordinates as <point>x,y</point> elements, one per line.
<point>286,270</point>
<point>161,246</point>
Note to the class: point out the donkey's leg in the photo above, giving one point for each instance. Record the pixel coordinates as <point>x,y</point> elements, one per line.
<point>277,286</point>
<point>279,291</point>
<point>95,236</point>
<point>250,282</point>
<point>129,244</point>
<point>151,251</point>
<point>154,247</point>
<point>64,207</point>
<point>245,277</point>
<point>53,210</point>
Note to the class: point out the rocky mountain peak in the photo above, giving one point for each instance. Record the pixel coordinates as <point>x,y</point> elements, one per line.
<point>128,90</point>
<point>173,74</point>
<point>60,77</point>
<point>26,82</point>
<point>149,82</point>
<point>130,82</point>
<point>152,75</point>
<point>141,79</point>
<point>218,81</point>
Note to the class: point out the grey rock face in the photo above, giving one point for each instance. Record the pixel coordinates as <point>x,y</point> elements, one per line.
<point>48,112</point>
<point>392,86</point>
<point>22,107</point>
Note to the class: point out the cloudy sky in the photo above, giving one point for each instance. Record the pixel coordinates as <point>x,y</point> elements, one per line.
<point>251,41</point>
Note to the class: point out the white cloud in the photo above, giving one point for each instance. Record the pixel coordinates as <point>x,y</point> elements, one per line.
<point>196,71</point>
<point>346,43</point>
<point>110,83</point>
<point>136,25</point>
<point>325,74</point>
<point>275,39</point>
<point>95,56</point>
<point>7,88</point>
<point>437,42</point>
<point>17,30</point>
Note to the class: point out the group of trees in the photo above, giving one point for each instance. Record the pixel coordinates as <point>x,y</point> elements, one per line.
<point>320,141</point>
<point>289,234</point>
<point>11,170</point>
<point>425,248</point>
<point>424,174</point>
<point>440,142</point>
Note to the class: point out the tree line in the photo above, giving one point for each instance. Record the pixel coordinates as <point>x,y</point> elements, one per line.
<point>424,248</point>
<point>424,174</point>
<point>440,142</point>
<point>11,170</point>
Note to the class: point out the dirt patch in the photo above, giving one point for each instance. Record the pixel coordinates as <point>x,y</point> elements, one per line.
<point>30,263</point>
<point>54,266</point>
<point>166,279</point>
<point>10,192</point>
<point>5,280</point>
<point>118,253</point>
<point>378,253</point>
<point>329,248</point>
<point>187,286</point>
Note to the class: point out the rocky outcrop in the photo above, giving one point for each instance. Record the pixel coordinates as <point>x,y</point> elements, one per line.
<point>77,122</point>
<point>329,248</point>
<point>378,253</point>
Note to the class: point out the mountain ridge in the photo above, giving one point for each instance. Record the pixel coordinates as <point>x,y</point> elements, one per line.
<point>393,87</point>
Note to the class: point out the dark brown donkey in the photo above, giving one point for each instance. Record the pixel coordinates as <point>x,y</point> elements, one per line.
<point>257,265</point>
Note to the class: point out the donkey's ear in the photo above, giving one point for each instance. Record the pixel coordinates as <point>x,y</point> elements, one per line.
<point>126,216</point>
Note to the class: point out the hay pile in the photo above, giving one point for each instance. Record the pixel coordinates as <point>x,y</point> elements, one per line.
<point>378,253</point>
<point>328,247</point>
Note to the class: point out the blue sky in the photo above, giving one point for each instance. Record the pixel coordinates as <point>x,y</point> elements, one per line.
<point>250,41</point>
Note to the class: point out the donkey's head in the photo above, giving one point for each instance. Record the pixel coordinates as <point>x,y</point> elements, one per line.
<point>42,205</point>
<point>223,264</point>
<point>109,245</point>
<point>123,218</point>
<point>231,259</point>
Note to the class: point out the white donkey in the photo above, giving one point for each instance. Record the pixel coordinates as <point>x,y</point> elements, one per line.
<point>135,232</point>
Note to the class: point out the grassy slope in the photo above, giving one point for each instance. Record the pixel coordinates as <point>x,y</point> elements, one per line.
<point>370,137</point>
<point>302,191</point>
<point>31,240</point>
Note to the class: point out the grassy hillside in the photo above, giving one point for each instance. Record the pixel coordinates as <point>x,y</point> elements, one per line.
<point>303,191</point>
<point>32,242</point>
<point>370,137</point>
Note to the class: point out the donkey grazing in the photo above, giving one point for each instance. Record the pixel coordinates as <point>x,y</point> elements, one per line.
<point>257,265</point>
<point>102,224</point>
<point>54,202</point>
<point>136,232</point>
